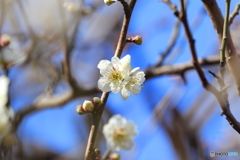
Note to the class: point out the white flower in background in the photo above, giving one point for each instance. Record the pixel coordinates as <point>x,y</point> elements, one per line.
<point>119,133</point>
<point>5,113</point>
<point>115,74</point>
<point>71,7</point>
<point>4,82</point>
<point>134,85</point>
<point>109,2</point>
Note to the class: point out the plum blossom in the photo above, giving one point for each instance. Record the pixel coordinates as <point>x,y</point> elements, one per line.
<point>119,132</point>
<point>118,76</point>
<point>134,85</point>
<point>115,74</point>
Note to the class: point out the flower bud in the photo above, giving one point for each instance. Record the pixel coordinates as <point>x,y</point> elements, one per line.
<point>137,40</point>
<point>96,101</point>
<point>109,2</point>
<point>98,158</point>
<point>114,156</point>
<point>79,109</point>
<point>96,152</point>
<point>88,106</point>
<point>4,40</point>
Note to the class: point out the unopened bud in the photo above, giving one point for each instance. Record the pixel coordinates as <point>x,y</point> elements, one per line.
<point>98,158</point>
<point>96,101</point>
<point>97,152</point>
<point>114,156</point>
<point>137,40</point>
<point>88,106</point>
<point>109,2</point>
<point>4,40</point>
<point>79,109</point>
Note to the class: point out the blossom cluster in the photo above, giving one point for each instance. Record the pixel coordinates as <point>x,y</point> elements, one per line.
<point>119,133</point>
<point>118,76</point>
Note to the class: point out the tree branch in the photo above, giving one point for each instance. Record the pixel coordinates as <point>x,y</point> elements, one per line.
<point>231,56</point>
<point>180,69</point>
<point>98,113</point>
<point>222,101</point>
<point>234,14</point>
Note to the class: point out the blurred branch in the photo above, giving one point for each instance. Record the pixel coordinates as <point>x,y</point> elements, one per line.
<point>222,101</point>
<point>180,69</point>
<point>171,44</point>
<point>234,14</point>
<point>214,12</point>
<point>98,113</point>
<point>50,101</point>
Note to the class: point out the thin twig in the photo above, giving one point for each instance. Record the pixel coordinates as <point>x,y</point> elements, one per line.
<point>180,69</point>
<point>233,64</point>
<point>171,44</point>
<point>234,14</point>
<point>223,103</point>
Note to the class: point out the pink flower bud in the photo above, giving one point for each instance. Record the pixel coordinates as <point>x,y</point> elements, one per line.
<point>80,110</point>
<point>4,40</point>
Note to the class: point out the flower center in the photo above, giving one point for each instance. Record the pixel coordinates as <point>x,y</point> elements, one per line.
<point>116,75</point>
<point>120,135</point>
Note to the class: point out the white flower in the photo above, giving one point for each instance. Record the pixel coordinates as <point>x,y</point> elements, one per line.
<point>115,74</point>
<point>4,82</point>
<point>134,85</point>
<point>5,113</point>
<point>119,133</point>
<point>71,7</point>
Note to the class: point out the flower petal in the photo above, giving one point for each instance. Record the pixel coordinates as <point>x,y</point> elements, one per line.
<point>134,71</point>
<point>103,84</point>
<point>125,93</point>
<point>115,62</point>
<point>125,61</point>
<point>135,89</point>
<point>103,64</point>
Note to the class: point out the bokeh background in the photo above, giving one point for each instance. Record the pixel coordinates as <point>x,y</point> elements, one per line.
<point>176,117</point>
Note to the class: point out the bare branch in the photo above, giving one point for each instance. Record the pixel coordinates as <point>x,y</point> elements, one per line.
<point>98,113</point>
<point>234,14</point>
<point>222,100</point>
<point>179,68</point>
<point>231,56</point>
<point>171,44</point>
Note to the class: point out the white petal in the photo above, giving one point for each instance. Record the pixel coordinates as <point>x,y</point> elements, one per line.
<point>125,61</point>
<point>125,93</point>
<point>135,89</point>
<point>103,84</point>
<point>103,64</point>
<point>127,145</point>
<point>115,62</point>
<point>134,71</point>
<point>115,87</point>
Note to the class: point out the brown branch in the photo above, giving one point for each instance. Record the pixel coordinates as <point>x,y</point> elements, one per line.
<point>180,69</point>
<point>222,100</point>
<point>171,44</point>
<point>98,113</point>
<point>234,14</point>
<point>215,14</point>
<point>46,101</point>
